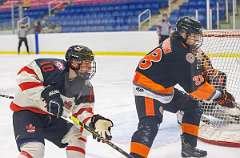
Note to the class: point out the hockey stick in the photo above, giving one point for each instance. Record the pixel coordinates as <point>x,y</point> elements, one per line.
<point>77,122</point>
<point>74,120</point>
<point>7,96</point>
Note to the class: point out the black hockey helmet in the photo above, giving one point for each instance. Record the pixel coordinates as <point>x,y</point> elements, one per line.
<point>81,53</point>
<point>188,25</point>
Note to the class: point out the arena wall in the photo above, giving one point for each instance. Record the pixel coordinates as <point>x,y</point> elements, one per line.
<point>102,43</point>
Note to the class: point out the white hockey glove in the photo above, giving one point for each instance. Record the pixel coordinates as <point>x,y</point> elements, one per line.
<point>102,126</point>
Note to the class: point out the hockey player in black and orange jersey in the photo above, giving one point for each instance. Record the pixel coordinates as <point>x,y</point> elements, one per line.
<point>48,88</point>
<point>173,62</point>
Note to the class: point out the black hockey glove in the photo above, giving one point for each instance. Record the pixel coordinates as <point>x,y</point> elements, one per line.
<point>54,102</point>
<point>226,99</point>
<point>102,126</point>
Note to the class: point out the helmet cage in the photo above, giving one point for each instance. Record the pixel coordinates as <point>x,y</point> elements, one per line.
<point>190,26</point>
<point>81,54</point>
<point>86,75</point>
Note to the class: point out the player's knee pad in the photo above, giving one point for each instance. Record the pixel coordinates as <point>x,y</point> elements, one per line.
<point>150,123</point>
<point>192,116</point>
<point>195,111</point>
<point>147,130</point>
<point>75,152</point>
<point>73,137</point>
<point>76,143</point>
<point>32,150</point>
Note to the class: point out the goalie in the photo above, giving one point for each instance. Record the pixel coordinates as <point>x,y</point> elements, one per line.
<point>216,78</point>
<point>49,88</point>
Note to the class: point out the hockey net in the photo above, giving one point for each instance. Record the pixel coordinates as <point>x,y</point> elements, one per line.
<point>221,125</point>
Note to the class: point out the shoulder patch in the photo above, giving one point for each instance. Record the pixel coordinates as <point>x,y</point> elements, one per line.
<point>60,65</point>
<point>190,58</point>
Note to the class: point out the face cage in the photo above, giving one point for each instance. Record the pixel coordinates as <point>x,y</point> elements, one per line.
<point>87,75</point>
<point>199,43</point>
<point>93,70</point>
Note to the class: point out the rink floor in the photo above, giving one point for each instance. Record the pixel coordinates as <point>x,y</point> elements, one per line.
<point>114,99</point>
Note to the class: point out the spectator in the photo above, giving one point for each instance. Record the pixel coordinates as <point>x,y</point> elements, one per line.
<point>38,27</point>
<point>164,28</point>
<point>26,4</point>
<point>22,36</point>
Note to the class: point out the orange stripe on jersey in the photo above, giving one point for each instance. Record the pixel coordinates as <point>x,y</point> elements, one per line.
<point>139,149</point>
<point>204,92</point>
<point>145,82</point>
<point>75,148</point>
<point>149,106</point>
<point>29,85</point>
<point>28,70</point>
<point>190,129</point>
<point>166,46</point>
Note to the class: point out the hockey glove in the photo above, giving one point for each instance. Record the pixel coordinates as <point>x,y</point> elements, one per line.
<point>102,126</point>
<point>226,99</point>
<point>53,100</point>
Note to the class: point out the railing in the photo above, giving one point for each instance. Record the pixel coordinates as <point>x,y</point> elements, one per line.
<point>148,18</point>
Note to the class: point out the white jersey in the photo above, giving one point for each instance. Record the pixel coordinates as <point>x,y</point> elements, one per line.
<point>32,79</point>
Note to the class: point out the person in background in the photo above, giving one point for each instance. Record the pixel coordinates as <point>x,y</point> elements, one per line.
<point>22,36</point>
<point>38,27</point>
<point>163,28</point>
<point>26,4</point>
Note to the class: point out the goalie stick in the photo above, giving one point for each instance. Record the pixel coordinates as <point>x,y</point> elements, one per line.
<point>72,119</point>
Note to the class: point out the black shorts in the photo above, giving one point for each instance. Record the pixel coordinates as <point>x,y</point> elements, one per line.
<point>34,127</point>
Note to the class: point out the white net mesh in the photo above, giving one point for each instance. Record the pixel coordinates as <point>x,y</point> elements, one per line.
<point>221,125</point>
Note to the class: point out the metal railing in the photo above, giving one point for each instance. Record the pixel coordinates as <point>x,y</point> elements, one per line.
<point>148,18</point>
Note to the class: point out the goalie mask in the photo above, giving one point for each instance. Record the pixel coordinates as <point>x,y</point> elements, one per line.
<point>193,30</point>
<point>81,60</point>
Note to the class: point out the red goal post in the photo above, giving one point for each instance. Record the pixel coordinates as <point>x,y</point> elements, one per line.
<point>221,125</point>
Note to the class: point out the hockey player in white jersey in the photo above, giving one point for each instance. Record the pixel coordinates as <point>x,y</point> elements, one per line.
<point>48,87</point>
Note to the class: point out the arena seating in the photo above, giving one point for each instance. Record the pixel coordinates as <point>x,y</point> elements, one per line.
<point>104,15</point>
<point>88,15</point>
<point>189,9</point>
